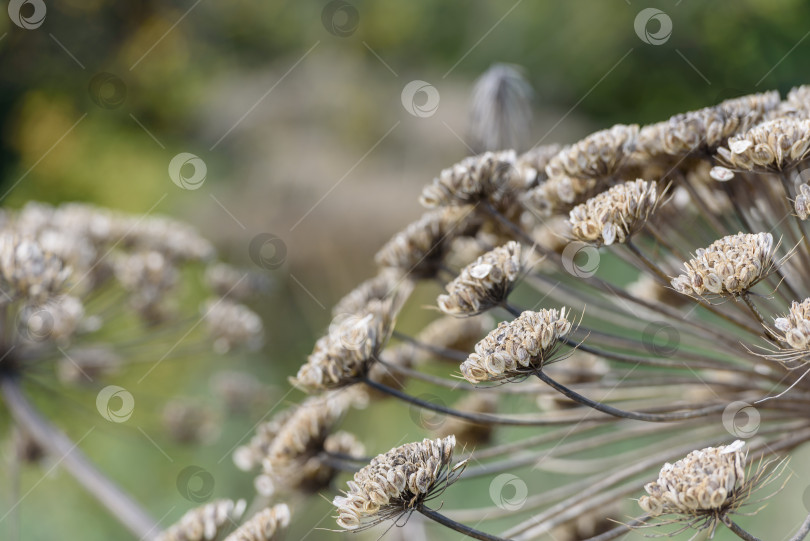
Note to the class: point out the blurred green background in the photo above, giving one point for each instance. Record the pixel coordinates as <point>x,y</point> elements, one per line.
<point>296,111</point>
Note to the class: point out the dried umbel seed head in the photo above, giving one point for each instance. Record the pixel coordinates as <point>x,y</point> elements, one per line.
<point>394,482</point>
<point>266,525</point>
<point>379,287</point>
<point>599,154</point>
<point>57,319</point>
<point>232,325</point>
<point>422,245</point>
<point>484,283</point>
<point>189,422</point>
<point>706,128</point>
<point>802,202</point>
<point>560,193</point>
<point>28,271</point>
<point>796,325</point>
<point>614,215</point>
<point>286,446</point>
<point>703,482</point>
<point>771,146</point>
<point>475,178</point>
<point>729,266</point>
<point>147,276</point>
<point>205,523</point>
<point>532,164</point>
<point>351,346</point>
<point>516,348</point>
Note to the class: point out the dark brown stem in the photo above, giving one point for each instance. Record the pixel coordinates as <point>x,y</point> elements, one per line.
<point>57,444</point>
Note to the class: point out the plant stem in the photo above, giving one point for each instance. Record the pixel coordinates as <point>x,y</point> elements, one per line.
<point>804,529</point>
<point>457,526</point>
<point>739,532</point>
<point>120,504</point>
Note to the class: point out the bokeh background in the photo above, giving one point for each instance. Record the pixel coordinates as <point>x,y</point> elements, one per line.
<point>295,108</point>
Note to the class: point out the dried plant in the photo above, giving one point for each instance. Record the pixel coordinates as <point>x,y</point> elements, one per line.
<point>639,375</point>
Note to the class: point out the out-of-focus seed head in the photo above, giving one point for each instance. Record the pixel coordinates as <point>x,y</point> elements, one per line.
<point>796,326</point>
<point>28,271</point>
<point>518,347</point>
<point>393,482</point>
<point>729,266</point>
<point>703,482</point>
<point>232,325</point>
<point>422,245</point>
<point>501,113</point>
<point>267,525</point>
<point>614,215</point>
<point>484,283</point>
<point>802,202</point>
<point>205,523</point>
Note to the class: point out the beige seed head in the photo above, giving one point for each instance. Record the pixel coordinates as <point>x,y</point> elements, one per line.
<point>703,481</point>
<point>729,266</point>
<point>614,215</point>
<point>599,154</point>
<point>393,482</point>
<point>266,525</point>
<point>796,325</point>
<point>205,523</point>
<point>769,146</point>
<point>802,202</point>
<point>484,283</point>
<point>487,176</point>
<point>517,347</point>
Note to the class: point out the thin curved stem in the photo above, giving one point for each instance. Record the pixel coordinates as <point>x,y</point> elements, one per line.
<point>634,415</point>
<point>120,504</point>
<point>457,526</point>
<point>804,529</point>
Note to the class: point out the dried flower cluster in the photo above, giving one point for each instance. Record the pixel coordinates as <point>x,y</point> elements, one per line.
<point>770,146</point>
<point>205,523</point>
<point>796,325</point>
<point>704,481</point>
<point>395,481</point>
<point>729,266</point>
<point>520,346</point>
<point>266,525</point>
<point>598,155</point>
<point>614,215</point>
<point>484,283</point>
